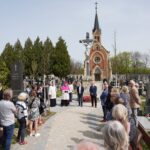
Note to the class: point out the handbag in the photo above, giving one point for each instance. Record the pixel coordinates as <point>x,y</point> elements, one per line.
<point>42,105</point>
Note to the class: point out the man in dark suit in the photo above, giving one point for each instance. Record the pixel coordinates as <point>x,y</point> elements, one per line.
<point>93,94</point>
<point>80,91</point>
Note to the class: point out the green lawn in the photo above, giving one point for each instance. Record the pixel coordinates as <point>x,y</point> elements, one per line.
<point>144,146</point>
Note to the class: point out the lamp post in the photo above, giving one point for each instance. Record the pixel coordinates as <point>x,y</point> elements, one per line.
<point>115,51</point>
<point>86,42</point>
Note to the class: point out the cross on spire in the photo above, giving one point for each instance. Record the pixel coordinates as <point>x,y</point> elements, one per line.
<point>96,3</point>
<point>96,23</point>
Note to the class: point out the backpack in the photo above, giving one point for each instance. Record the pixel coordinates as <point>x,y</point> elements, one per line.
<point>20,111</point>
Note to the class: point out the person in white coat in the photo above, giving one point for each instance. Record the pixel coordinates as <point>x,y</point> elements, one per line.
<point>52,94</point>
<point>65,94</point>
<point>71,91</point>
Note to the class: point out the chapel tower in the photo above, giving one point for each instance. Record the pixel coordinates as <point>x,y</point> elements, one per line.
<point>99,63</point>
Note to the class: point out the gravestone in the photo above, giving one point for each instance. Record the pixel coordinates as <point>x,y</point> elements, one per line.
<point>147,105</point>
<point>144,122</point>
<point>17,78</point>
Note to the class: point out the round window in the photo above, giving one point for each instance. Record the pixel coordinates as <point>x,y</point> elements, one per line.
<point>97,59</point>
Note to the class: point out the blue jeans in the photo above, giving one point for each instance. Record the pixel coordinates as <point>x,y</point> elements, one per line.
<point>8,132</point>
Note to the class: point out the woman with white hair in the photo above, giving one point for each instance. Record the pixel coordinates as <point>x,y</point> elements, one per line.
<point>22,116</point>
<point>125,95</point>
<point>120,113</point>
<point>126,98</point>
<point>115,136</point>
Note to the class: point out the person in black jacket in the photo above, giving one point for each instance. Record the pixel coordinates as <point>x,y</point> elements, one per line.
<point>103,99</point>
<point>93,94</point>
<point>109,105</point>
<point>80,91</point>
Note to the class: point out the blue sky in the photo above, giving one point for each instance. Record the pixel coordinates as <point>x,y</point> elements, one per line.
<point>71,19</point>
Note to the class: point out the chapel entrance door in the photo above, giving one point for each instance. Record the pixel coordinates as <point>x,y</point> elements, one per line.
<point>97,74</point>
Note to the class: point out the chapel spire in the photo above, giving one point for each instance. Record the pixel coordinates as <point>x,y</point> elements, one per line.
<point>96,23</point>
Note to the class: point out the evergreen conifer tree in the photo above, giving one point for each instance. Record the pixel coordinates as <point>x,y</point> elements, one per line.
<point>60,59</point>
<point>8,55</point>
<point>45,62</point>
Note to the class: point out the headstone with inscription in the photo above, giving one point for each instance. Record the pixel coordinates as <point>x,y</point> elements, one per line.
<point>17,77</point>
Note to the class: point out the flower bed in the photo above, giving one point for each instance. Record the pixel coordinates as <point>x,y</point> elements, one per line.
<point>86,98</point>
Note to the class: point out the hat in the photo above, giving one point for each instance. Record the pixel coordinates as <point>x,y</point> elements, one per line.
<point>22,96</point>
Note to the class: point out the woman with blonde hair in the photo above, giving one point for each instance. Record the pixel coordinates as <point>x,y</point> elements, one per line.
<point>126,97</point>
<point>115,136</point>
<point>115,96</point>
<point>22,116</point>
<point>120,113</point>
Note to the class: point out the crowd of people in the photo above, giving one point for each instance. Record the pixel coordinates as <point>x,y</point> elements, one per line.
<point>120,109</point>
<point>26,109</point>
<point>122,105</point>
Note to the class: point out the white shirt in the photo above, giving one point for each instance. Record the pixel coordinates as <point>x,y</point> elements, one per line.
<point>79,89</point>
<point>22,109</point>
<point>52,92</point>
<point>71,88</point>
<point>65,95</point>
<point>7,109</point>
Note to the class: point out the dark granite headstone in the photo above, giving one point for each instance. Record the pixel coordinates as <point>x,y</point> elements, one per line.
<point>17,77</point>
<point>147,105</point>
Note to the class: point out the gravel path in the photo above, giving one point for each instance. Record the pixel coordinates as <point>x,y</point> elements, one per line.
<point>69,126</point>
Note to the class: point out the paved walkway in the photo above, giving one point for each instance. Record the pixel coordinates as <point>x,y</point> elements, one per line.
<point>66,128</point>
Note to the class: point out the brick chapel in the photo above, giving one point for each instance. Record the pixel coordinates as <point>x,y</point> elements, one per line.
<point>99,62</point>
